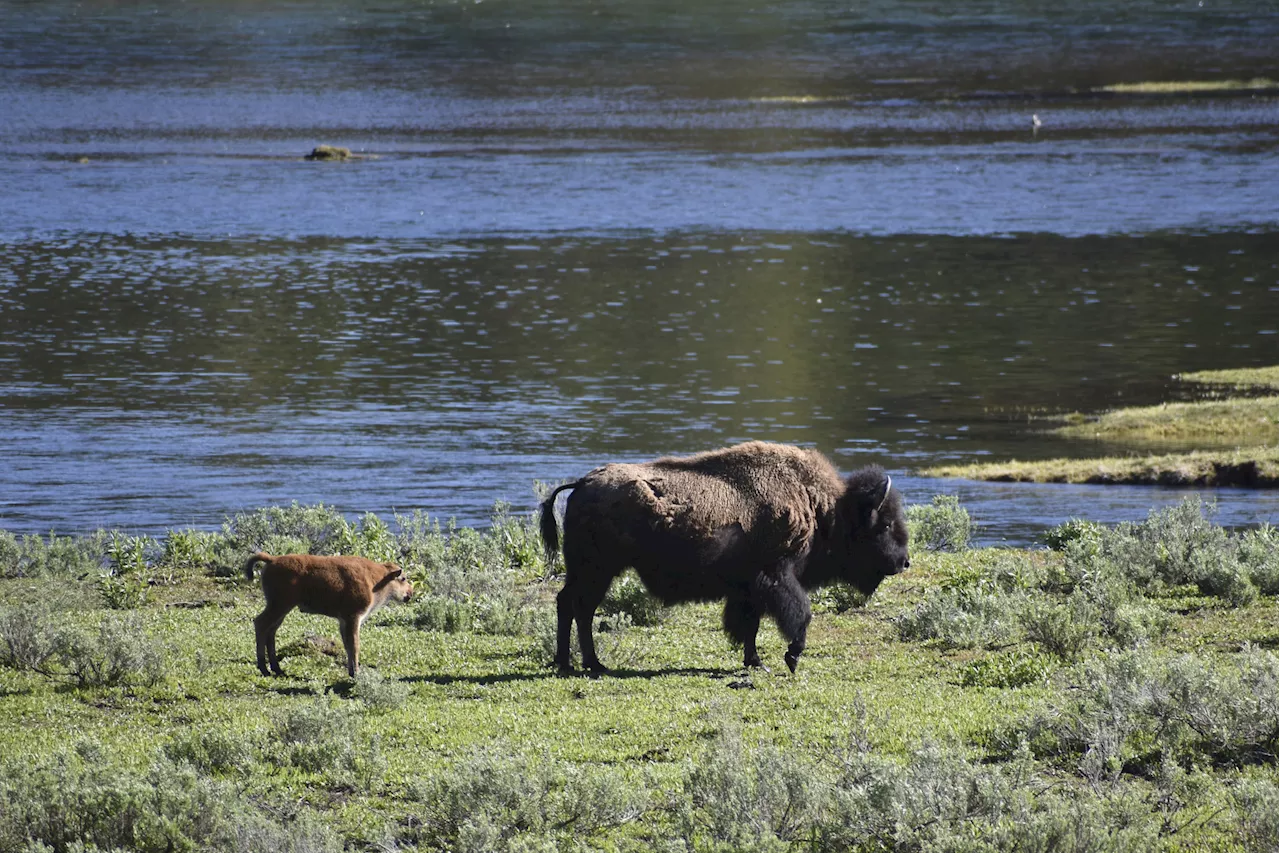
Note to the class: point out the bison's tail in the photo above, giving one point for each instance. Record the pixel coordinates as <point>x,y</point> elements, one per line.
<point>550,532</point>
<point>259,557</point>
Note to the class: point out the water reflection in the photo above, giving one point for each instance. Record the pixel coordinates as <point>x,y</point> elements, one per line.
<point>147,373</point>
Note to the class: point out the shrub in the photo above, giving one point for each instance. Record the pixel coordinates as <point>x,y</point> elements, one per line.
<point>82,801</point>
<point>1062,628</point>
<point>1129,711</point>
<point>321,529</point>
<point>27,639</point>
<point>484,802</point>
<point>213,751</point>
<point>1072,530</point>
<point>125,585</point>
<point>944,525</point>
<point>378,692</point>
<point>749,799</point>
<point>519,540</point>
<point>1260,556</point>
<point>191,550</point>
<point>1257,815</point>
<point>322,738</point>
<point>119,652</point>
<point>1011,669</point>
<point>60,556</point>
<point>370,538</point>
<point>10,555</point>
<point>966,618</point>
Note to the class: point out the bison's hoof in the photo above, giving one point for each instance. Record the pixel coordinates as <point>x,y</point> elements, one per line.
<point>792,661</point>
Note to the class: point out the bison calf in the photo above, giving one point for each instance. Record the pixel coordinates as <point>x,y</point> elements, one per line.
<point>756,526</point>
<point>346,588</point>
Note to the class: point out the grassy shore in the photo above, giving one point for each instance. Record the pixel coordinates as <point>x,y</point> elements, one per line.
<point>1250,421</point>
<point>1259,379</point>
<point>1256,467</point>
<point>1238,436</point>
<point>1114,693</point>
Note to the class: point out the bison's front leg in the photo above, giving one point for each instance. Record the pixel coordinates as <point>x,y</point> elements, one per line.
<point>788,604</point>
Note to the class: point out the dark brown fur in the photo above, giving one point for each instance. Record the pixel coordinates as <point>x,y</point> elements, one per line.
<point>346,588</point>
<point>756,525</point>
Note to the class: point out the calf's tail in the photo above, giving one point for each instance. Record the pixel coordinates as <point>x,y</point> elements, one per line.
<point>259,557</point>
<point>547,524</point>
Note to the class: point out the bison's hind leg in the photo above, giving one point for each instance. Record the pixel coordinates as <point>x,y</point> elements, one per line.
<point>587,581</point>
<point>741,622</point>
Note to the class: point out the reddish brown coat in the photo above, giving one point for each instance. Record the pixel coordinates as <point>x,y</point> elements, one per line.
<point>346,588</point>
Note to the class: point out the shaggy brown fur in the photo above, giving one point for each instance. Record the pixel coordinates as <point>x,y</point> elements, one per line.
<point>346,588</point>
<point>755,525</point>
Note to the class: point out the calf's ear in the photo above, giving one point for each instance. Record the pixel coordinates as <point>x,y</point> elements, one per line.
<point>395,573</point>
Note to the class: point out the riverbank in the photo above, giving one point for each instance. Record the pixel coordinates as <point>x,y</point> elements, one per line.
<point>1236,433</point>
<point>1113,696</point>
<point>1254,468</point>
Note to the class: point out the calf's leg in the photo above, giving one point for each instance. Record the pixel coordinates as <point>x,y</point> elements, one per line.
<point>350,629</point>
<point>265,626</point>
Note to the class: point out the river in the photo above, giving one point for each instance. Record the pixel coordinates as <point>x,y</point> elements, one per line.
<point>584,232</point>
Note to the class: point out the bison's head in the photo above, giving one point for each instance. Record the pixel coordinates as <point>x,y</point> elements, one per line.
<point>874,529</point>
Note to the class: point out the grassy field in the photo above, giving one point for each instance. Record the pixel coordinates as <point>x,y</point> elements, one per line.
<point>1116,690</point>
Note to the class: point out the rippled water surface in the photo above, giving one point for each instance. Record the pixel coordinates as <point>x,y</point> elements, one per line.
<point>593,232</point>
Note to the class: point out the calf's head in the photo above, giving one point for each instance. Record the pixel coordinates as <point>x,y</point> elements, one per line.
<point>874,528</point>
<point>394,585</point>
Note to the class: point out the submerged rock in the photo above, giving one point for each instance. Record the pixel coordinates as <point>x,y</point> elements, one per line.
<point>331,152</point>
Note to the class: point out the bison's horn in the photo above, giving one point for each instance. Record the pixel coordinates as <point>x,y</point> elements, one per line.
<point>888,484</point>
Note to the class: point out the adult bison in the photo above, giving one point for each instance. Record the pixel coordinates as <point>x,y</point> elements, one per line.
<point>754,525</point>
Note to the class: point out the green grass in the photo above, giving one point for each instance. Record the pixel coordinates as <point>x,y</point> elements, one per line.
<point>1249,467</point>
<point>1185,86</point>
<point>1211,442</point>
<point>1243,379</point>
<point>469,740</point>
<point>1241,421</point>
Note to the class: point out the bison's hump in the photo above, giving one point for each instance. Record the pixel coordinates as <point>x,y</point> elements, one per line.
<point>772,493</point>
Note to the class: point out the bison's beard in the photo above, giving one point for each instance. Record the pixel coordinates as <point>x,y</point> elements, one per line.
<point>866,584</point>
